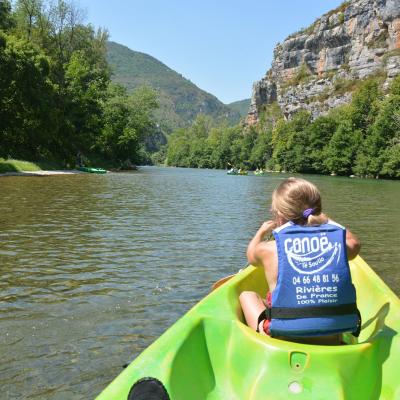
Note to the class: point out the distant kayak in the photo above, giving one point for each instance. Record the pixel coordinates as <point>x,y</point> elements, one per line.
<point>93,170</point>
<point>235,171</point>
<point>210,353</point>
<point>260,173</point>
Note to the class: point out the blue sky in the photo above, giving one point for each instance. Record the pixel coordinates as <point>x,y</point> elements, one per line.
<point>221,46</point>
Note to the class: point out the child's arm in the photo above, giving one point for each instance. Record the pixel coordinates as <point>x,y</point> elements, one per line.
<point>353,245</point>
<point>253,249</point>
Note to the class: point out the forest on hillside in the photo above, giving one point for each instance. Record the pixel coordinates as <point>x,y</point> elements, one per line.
<point>361,138</point>
<point>180,100</point>
<point>56,96</point>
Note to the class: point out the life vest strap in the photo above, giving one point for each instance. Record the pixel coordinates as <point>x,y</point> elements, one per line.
<point>310,312</point>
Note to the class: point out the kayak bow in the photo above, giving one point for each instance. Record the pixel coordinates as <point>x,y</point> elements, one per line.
<point>211,354</point>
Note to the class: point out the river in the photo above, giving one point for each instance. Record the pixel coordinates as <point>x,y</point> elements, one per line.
<point>93,268</point>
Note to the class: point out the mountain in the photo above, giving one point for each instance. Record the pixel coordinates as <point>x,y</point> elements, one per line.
<point>319,67</point>
<point>241,106</point>
<point>180,100</point>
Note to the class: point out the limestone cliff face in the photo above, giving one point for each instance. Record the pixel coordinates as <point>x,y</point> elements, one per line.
<point>317,68</point>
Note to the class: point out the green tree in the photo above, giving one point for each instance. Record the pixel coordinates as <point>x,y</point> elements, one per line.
<point>290,141</point>
<point>26,96</point>
<point>319,133</point>
<point>27,14</point>
<point>365,105</point>
<point>85,90</point>
<point>383,134</point>
<point>178,148</point>
<point>220,141</point>
<point>127,121</point>
<point>242,147</point>
<point>55,94</point>
<point>342,148</point>
<point>6,20</point>
<point>190,147</point>
<point>262,149</point>
<point>391,161</point>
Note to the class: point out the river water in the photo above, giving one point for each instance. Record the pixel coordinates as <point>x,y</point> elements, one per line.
<point>93,268</point>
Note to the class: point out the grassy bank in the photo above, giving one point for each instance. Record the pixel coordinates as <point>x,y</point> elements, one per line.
<point>11,165</point>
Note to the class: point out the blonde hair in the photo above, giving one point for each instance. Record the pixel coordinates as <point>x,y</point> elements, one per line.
<point>292,197</point>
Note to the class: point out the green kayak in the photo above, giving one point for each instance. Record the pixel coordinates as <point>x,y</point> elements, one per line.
<point>211,354</point>
<point>93,170</point>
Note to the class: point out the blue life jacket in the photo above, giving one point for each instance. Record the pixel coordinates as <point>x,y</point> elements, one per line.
<point>314,295</point>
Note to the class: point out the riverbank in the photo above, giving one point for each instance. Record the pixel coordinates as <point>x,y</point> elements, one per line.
<point>42,173</point>
<point>14,165</point>
<point>11,167</point>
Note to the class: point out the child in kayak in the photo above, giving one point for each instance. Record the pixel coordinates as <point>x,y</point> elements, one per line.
<point>306,267</point>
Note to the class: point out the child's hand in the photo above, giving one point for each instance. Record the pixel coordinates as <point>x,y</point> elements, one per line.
<point>267,227</point>
<point>253,250</point>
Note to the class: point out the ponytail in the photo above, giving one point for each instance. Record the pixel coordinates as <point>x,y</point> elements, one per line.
<point>318,219</point>
<point>298,200</point>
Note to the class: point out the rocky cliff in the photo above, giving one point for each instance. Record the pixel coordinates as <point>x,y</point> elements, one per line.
<point>318,67</point>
